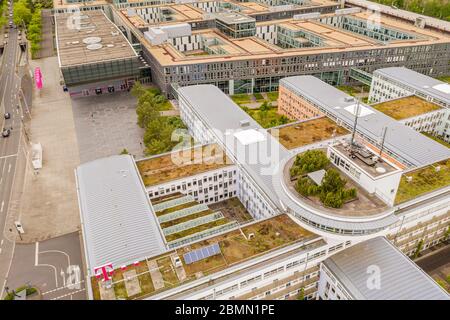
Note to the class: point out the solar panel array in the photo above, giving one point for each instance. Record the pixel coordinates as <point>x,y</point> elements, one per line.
<point>201,253</point>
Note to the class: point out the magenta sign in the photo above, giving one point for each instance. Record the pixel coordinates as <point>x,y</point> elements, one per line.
<point>38,78</point>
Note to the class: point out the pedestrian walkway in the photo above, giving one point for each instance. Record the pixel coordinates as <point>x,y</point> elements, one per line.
<point>50,206</point>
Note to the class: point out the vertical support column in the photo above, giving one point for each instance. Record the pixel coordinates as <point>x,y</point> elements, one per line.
<point>231,87</point>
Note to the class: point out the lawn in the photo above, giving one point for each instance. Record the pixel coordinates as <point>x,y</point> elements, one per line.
<point>445,79</point>
<point>259,97</point>
<point>444,143</point>
<point>273,96</point>
<point>404,108</point>
<point>308,132</point>
<point>241,98</point>
<point>352,90</point>
<point>269,118</point>
<point>424,180</point>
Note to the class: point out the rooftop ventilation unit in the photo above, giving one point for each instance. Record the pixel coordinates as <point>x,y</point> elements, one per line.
<point>349,99</point>
<point>244,123</point>
<point>347,11</point>
<point>305,16</point>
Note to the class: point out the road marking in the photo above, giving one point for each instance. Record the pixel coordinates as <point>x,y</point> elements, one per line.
<point>9,168</point>
<point>68,294</point>
<point>9,156</point>
<point>36,254</point>
<point>3,204</point>
<point>61,288</point>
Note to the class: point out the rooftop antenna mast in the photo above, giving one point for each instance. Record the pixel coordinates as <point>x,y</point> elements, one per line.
<point>356,121</point>
<point>382,140</point>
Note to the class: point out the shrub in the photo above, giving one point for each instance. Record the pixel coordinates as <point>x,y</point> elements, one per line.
<point>311,160</point>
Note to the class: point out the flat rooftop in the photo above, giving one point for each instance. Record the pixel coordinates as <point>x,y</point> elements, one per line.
<point>365,204</point>
<point>224,116</point>
<point>233,18</point>
<point>400,278</point>
<point>204,10</point>
<point>418,81</point>
<point>93,38</point>
<point>183,163</point>
<point>362,157</point>
<point>335,40</point>
<point>405,143</point>
<point>308,132</point>
<point>407,107</point>
<point>424,180</point>
<point>181,217</point>
<point>237,246</point>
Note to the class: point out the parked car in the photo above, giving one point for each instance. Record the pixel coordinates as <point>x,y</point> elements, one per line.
<point>7,115</point>
<point>6,133</point>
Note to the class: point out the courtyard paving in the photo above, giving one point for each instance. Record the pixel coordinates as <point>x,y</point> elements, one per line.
<point>106,124</point>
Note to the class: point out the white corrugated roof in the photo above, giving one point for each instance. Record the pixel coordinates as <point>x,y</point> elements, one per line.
<point>399,277</point>
<point>118,222</point>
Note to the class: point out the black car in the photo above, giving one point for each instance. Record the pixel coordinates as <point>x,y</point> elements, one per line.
<point>6,133</point>
<point>7,115</point>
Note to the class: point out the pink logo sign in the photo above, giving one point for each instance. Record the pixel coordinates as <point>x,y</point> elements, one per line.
<point>38,77</point>
<point>104,271</point>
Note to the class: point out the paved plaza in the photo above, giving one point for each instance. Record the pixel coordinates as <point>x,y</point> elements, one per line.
<point>106,124</point>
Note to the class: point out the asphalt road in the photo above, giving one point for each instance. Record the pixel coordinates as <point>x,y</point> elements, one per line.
<point>53,266</point>
<point>9,147</point>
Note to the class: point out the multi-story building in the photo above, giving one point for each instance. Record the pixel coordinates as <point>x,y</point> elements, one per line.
<point>333,45</point>
<point>375,270</point>
<point>93,54</point>
<point>421,102</point>
<point>150,233</point>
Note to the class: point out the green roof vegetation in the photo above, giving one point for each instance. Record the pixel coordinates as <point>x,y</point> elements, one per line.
<point>423,180</point>
<point>406,107</point>
<point>162,168</point>
<point>273,95</point>
<point>197,229</point>
<point>236,246</point>
<point>308,132</point>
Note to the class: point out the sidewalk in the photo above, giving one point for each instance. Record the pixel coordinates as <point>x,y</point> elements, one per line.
<point>49,205</point>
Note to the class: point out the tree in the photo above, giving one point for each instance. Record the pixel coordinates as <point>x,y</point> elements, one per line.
<point>21,13</point>
<point>311,160</point>
<point>124,151</point>
<point>332,181</point>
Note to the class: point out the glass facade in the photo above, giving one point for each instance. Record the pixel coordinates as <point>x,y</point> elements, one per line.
<point>99,71</point>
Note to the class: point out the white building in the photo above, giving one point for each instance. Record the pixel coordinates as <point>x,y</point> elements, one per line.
<point>397,82</point>
<point>375,270</point>
<point>279,252</point>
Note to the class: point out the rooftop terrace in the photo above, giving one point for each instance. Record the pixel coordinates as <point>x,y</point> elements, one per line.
<point>334,40</point>
<point>307,132</point>
<point>157,274</point>
<point>178,164</point>
<point>89,39</point>
<point>422,181</point>
<point>407,107</point>
<point>363,205</point>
